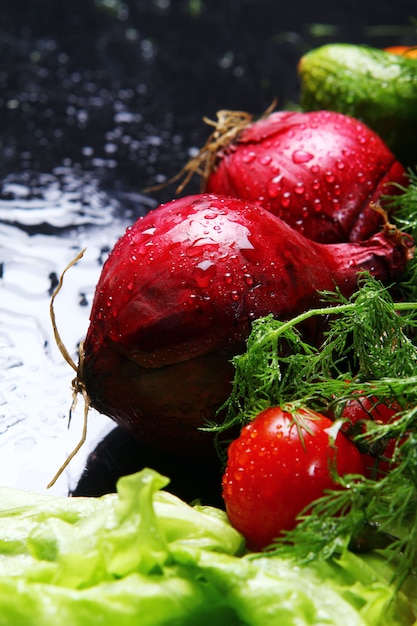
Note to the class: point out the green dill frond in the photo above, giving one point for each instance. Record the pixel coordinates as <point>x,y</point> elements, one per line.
<point>367,350</point>
<point>404,205</point>
<point>403,213</point>
<point>366,515</point>
<point>365,340</point>
<point>372,335</point>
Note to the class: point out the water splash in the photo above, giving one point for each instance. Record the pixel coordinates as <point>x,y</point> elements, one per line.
<point>42,226</point>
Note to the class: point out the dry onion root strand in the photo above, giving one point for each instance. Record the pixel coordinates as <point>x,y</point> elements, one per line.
<point>391,231</point>
<point>78,386</point>
<point>61,346</point>
<point>227,127</point>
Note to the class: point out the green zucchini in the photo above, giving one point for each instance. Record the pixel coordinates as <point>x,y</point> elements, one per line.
<point>370,84</point>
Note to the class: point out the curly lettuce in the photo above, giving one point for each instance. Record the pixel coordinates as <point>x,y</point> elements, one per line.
<point>143,556</point>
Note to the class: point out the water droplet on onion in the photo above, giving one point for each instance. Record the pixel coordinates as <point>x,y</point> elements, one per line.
<point>274,186</point>
<point>329,177</point>
<point>249,157</point>
<point>266,159</point>
<point>286,199</point>
<point>301,156</point>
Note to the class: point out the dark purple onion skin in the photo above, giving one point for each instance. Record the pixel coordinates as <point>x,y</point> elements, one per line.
<point>319,171</point>
<point>176,299</point>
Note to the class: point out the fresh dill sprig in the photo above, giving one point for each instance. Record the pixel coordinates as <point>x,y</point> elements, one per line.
<point>404,204</point>
<point>371,334</point>
<point>365,339</point>
<point>366,349</point>
<point>366,515</point>
<point>403,213</point>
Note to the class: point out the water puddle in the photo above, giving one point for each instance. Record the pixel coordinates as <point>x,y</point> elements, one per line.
<point>42,227</point>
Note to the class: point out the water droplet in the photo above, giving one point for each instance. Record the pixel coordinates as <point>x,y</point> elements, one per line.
<point>149,231</point>
<point>299,189</point>
<point>228,278</point>
<point>204,265</point>
<point>301,156</point>
<point>243,457</point>
<point>248,279</point>
<point>274,186</point>
<point>192,298</point>
<point>205,273</point>
<point>286,199</point>
<point>266,159</point>
<point>329,177</point>
<point>238,475</point>
<point>249,157</point>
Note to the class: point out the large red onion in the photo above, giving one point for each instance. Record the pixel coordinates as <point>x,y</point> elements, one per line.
<point>176,299</point>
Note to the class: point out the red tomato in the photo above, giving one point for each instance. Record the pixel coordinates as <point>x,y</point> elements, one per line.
<point>278,465</point>
<point>357,412</point>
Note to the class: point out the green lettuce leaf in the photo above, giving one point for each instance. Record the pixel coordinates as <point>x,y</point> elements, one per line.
<point>277,592</point>
<point>143,556</point>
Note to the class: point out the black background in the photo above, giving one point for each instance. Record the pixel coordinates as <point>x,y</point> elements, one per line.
<point>67,67</point>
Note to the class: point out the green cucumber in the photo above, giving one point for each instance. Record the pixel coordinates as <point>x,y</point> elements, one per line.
<point>370,84</point>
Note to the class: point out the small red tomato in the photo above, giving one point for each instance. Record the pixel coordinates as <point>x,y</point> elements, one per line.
<point>279,465</point>
<point>357,412</point>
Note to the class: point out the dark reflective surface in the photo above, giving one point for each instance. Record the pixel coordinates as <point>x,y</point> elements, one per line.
<point>98,100</point>
<point>119,454</point>
<point>121,87</point>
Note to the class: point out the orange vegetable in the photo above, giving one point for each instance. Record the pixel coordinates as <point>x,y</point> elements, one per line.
<point>405,51</point>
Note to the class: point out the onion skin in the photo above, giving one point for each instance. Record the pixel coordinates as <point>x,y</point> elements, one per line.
<point>176,299</point>
<point>319,171</point>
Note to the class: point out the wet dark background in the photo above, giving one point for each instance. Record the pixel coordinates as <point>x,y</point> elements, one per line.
<point>120,87</point>
<point>114,92</point>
